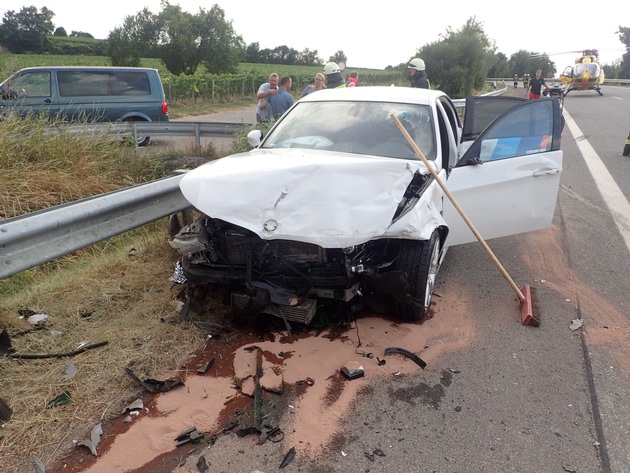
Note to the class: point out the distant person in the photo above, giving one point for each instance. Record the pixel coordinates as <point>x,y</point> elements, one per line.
<point>265,91</point>
<point>333,76</point>
<point>319,84</point>
<point>515,81</point>
<point>535,86</point>
<point>283,100</point>
<point>417,74</point>
<point>353,79</point>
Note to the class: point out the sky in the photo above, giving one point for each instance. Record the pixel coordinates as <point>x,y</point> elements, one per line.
<point>384,33</point>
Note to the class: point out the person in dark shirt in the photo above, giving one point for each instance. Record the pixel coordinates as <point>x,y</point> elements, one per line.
<point>418,75</point>
<point>535,86</point>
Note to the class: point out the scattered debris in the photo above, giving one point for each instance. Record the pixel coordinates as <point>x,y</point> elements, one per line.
<point>353,370</point>
<point>212,329</point>
<point>136,405</point>
<point>369,456</point>
<point>178,275</point>
<point>288,457</point>
<point>379,452</point>
<point>39,465</point>
<point>380,362</point>
<point>576,324</point>
<point>94,440</point>
<point>79,350</point>
<point>366,354</point>
<point>36,319</point>
<point>189,435</point>
<point>5,411</point>
<point>5,343</point>
<point>412,356</point>
<point>206,366</point>
<point>71,371</point>
<point>202,466</point>
<point>61,400</point>
<point>153,385</point>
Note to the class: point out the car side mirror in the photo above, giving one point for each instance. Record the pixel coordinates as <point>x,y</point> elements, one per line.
<point>254,138</point>
<point>474,160</point>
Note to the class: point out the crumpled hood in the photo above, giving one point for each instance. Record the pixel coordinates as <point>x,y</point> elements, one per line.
<point>329,199</point>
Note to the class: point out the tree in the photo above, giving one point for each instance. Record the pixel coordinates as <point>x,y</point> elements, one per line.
<point>527,62</point>
<point>81,34</point>
<point>624,37</point>
<point>26,30</point>
<point>136,39</point>
<point>252,53</point>
<point>338,57</point>
<point>60,31</point>
<point>180,39</point>
<point>458,64</point>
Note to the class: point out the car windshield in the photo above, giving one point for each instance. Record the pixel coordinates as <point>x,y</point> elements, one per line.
<point>356,127</point>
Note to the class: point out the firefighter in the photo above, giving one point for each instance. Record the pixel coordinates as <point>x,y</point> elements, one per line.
<point>418,75</point>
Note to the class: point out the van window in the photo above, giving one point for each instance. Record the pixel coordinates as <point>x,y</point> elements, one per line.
<point>31,84</point>
<point>101,83</point>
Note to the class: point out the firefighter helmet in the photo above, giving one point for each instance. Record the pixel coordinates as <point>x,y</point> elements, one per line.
<point>417,64</point>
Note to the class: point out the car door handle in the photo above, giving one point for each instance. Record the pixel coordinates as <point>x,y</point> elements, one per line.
<point>48,101</point>
<point>545,172</point>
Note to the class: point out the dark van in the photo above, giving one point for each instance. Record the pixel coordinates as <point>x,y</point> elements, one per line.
<point>86,93</point>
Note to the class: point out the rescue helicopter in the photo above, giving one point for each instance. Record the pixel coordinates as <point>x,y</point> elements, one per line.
<point>587,74</point>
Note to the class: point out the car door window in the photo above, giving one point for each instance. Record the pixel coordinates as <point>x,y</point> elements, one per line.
<point>523,130</point>
<point>32,84</point>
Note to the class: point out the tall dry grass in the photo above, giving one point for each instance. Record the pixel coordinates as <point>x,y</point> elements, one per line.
<point>42,169</point>
<point>117,291</point>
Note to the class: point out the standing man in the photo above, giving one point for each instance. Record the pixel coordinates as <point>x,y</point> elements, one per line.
<point>515,81</point>
<point>418,75</point>
<point>266,90</point>
<point>283,100</point>
<point>535,85</point>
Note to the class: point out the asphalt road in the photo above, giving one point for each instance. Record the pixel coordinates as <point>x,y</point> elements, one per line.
<point>501,396</point>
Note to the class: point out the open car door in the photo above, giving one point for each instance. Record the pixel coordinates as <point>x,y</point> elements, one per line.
<point>507,181</point>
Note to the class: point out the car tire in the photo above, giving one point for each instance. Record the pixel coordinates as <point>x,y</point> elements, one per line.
<point>420,260</point>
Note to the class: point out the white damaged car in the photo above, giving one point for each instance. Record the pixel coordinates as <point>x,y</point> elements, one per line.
<point>334,205</point>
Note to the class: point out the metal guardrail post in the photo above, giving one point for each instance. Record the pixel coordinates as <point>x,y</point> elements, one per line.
<point>197,138</point>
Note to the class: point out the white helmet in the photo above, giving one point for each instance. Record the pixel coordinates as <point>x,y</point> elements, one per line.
<point>417,64</point>
<point>331,68</point>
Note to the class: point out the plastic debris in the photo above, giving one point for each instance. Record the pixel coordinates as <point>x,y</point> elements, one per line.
<point>94,440</point>
<point>5,411</point>
<point>352,370</point>
<point>412,356</point>
<point>288,457</point>
<point>37,318</point>
<point>366,354</point>
<point>576,324</point>
<point>39,465</point>
<point>202,466</point>
<point>71,371</point>
<point>153,385</point>
<point>136,405</point>
<point>178,276</point>
<point>189,435</point>
<point>61,400</point>
<point>5,343</point>
<point>206,366</point>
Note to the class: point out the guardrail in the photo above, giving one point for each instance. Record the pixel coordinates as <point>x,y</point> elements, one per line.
<point>142,128</point>
<point>36,238</point>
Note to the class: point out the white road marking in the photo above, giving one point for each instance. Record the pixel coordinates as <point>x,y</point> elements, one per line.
<point>610,191</point>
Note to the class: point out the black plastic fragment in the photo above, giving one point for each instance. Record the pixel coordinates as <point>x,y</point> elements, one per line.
<point>288,457</point>
<point>202,466</point>
<point>5,411</point>
<point>412,356</point>
<point>153,385</point>
<point>206,366</point>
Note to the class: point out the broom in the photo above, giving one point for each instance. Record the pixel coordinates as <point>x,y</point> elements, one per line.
<point>525,295</point>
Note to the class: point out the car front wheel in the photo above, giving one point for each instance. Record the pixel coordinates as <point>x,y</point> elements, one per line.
<point>420,260</point>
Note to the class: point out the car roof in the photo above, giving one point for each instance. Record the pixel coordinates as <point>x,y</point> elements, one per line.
<point>86,68</point>
<point>376,94</point>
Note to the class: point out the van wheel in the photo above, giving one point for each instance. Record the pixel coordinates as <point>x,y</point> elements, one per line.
<point>140,140</point>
